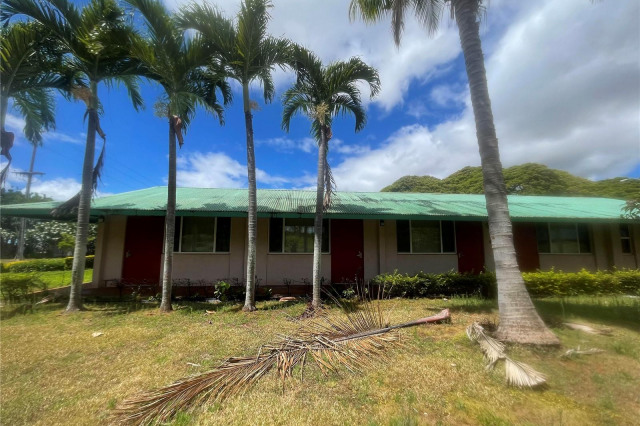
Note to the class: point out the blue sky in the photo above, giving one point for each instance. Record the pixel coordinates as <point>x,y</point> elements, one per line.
<point>564,78</point>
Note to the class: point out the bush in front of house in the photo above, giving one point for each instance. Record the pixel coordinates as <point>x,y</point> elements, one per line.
<point>17,286</point>
<point>558,283</point>
<point>445,284</point>
<point>43,265</point>
<point>539,284</point>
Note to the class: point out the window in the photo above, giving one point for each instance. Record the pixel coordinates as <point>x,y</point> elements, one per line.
<point>202,234</point>
<point>625,239</point>
<point>425,236</point>
<point>295,235</point>
<point>563,238</point>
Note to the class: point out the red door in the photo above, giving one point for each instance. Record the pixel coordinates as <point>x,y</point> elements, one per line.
<point>347,251</point>
<point>526,244</point>
<point>143,249</point>
<point>470,247</point>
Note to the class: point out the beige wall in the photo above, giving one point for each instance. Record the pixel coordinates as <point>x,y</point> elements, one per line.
<point>380,255</point>
<point>109,249</point>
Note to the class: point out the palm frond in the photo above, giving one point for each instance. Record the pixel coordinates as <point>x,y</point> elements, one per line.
<point>354,341</point>
<point>518,373</point>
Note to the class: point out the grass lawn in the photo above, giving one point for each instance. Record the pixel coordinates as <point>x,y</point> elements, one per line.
<point>62,278</point>
<point>55,372</point>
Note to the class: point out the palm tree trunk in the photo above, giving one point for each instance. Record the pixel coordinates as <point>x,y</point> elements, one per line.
<point>250,298</point>
<point>317,230</point>
<point>519,321</point>
<point>23,221</point>
<point>84,205</point>
<point>169,223</point>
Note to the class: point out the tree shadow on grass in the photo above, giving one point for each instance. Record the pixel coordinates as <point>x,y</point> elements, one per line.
<point>618,311</point>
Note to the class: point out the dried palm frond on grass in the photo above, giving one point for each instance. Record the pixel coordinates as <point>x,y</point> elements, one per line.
<point>518,373</point>
<point>353,341</point>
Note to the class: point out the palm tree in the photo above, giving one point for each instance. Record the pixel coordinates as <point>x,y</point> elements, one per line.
<point>248,54</point>
<point>519,321</point>
<point>321,93</point>
<point>30,68</point>
<point>176,63</point>
<point>96,41</point>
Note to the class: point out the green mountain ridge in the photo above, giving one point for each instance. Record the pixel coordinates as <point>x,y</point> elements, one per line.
<point>525,179</point>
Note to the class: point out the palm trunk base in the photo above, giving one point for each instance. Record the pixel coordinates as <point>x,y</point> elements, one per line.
<point>528,334</point>
<point>249,308</point>
<point>166,308</point>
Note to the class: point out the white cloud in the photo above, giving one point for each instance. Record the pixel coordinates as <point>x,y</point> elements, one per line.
<point>324,27</point>
<point>284,144</point>
<point>59,189</point>
<point>62,137</point>
<point>564,81</point>
<point>217,170</point>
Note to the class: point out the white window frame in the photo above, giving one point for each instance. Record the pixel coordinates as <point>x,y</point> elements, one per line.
<point>455,245</point>
<point>215,237</point>
<point>283,234</point>
<point>575,225</point>
<point>628,238</point>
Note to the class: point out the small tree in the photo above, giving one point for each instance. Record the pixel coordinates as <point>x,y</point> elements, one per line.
<point>321,93</point>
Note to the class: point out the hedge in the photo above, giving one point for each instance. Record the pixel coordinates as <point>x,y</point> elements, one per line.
<point>42,265</point>
<point>16,286</point>
<point>539,284</point>
<point>553,283</point>
<point>445,284</point>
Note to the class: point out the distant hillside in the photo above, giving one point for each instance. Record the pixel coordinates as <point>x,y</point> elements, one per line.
<point>526,179</point>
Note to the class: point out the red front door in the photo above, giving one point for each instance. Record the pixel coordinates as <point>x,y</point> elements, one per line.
<point>526,245</point>
<point>470,247</point>
<point>347,251</point>
<point>143,249</point>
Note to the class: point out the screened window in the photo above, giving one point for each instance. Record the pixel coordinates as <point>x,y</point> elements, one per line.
<point>202,234</point>
<point>425,236</point>
<point>295,235</point>
<point>568,238</point>
<point>625,239</point>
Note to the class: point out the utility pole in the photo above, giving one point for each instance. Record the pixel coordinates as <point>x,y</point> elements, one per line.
<point>29,174</point>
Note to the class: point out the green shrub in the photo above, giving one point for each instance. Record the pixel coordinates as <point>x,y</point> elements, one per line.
<point>16,286</point>
<point>445,284</point>
<point>34,265</point>
<point>68,262</point>
<point>558,283</point>
<point>540,284</point>
<point>42,265</point>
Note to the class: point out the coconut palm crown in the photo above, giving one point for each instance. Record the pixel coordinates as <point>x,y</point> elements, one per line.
<point>177,64</point>
<point>247,54</point>
<point>96,42</point>
<point>322,93</point>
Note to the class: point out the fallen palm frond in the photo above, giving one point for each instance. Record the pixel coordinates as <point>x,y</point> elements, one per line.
<point>572,352</point>
<point>518,373</point>
<point>353,341</point>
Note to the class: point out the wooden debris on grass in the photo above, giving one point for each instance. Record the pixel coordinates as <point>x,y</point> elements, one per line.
<point>572,352</point>
<point>588,329</point>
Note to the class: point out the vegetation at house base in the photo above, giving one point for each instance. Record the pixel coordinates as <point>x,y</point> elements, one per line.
<point>525,179</point>
<point>245,52</point>
<point>322,93</point>
<point>436,370</point>
<point>178,64</point>
<point>519,321</point>
<point>540,284</point>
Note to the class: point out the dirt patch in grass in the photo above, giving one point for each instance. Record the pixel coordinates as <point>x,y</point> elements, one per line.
<point>55,372</point>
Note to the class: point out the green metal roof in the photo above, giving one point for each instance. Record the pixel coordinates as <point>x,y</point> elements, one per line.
<point>351,205</point>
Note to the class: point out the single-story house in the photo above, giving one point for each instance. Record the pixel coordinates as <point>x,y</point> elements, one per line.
<point>365,234</point>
